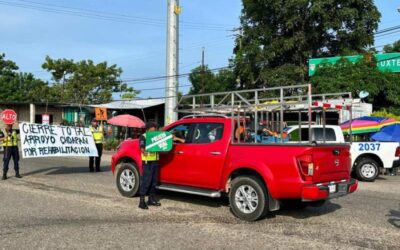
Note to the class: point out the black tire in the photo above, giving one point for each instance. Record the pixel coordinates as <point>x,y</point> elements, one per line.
<point>125,187</point>
<point>258,188</point>
<point>367,169</point>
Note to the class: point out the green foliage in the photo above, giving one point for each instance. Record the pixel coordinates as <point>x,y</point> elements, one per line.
<point>81,82</point>
<point>385,113</point>
<point>205,81</point>
<point>111,144</point>
<point>344,76</point>
<point>130,95</point>
<point>279,36</point>
<point>85,82</point>
<point>7,67</point>
<point>20,87</point>
<point>287,74</point>
<point>395,47</point>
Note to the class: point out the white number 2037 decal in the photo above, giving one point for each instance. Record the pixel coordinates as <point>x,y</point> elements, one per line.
<point>369,146</point>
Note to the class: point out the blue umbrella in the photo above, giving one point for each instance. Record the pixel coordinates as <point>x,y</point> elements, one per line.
<point>388,133</point>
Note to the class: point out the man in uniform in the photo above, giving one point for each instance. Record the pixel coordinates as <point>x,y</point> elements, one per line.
<point>149,171</point>
<point>10,147</point>
<point>98,136</point>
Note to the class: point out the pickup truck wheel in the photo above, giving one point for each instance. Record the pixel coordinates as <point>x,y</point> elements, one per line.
<point>367,169</point>
<point>248,198</point>
<point>127,179</point>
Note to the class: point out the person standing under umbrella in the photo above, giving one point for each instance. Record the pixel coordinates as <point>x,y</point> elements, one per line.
<point>98,136</point>
<point>149,171</point>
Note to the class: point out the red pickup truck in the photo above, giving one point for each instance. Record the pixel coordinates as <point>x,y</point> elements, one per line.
<point>256,177</point>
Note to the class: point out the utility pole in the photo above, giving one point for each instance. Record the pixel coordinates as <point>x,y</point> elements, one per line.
<point>171,83</point>
<point>202,73</point>
<point>240,29</point>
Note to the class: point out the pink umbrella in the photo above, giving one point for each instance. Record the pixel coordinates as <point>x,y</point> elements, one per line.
<point>126,121</point>
<point>366,124</point>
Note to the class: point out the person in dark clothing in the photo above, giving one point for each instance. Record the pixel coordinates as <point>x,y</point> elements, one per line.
<point>149,172</point>
<point>10,144</point>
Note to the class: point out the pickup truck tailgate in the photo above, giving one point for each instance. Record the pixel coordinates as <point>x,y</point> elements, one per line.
<point>331,163</point>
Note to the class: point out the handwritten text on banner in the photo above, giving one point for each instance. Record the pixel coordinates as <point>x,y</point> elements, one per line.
<point>39,140</point>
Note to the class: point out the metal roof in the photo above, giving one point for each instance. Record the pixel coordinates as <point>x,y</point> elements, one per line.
<point>131,104</point>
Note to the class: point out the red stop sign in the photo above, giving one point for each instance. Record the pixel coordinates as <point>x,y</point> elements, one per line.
<point>9,116</point>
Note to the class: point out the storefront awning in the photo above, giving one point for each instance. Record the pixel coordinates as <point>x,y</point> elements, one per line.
<point>132,104</point>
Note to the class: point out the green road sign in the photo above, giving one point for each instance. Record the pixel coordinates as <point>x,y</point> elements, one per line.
<point>389,62</point>
<point>158,141</point>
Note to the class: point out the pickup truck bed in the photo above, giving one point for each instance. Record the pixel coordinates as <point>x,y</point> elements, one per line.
<point>368,157</point>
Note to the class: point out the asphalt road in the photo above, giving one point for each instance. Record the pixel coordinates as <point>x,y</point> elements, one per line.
<point>58,204</point>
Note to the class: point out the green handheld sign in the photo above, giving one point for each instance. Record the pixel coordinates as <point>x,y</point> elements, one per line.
<point>158,141</point>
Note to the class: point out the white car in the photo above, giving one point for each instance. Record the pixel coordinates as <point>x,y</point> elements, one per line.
<point>368,158</point>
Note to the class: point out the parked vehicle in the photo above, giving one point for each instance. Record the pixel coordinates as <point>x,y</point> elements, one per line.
<point>214,161</point>
<point>368,158</point>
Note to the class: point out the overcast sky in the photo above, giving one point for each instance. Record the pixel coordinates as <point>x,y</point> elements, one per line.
<point>129,33</point>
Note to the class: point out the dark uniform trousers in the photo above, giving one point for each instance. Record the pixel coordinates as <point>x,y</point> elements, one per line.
<point>149,178</point>
<point>96,160</point>
<point>10,151</point>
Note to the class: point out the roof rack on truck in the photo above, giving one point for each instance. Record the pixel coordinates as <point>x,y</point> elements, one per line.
<point>204,115</point>
<point>264,108</point>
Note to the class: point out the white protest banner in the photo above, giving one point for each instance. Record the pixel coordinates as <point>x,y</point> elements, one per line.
<point>42,140</point>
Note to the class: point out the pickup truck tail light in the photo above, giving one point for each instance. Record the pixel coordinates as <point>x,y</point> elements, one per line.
<point>397,154</point>
<point>306,166</point>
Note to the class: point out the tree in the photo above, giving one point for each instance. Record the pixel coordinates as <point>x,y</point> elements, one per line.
<point>7,67</point>
<point>130,95</point>
<point>20,87</point>
<point>205,81</point>
<point>395,47</point>
<point>385,113</point>
<point>277,35</point>
<point>383,87</point>
<point>85,82</point>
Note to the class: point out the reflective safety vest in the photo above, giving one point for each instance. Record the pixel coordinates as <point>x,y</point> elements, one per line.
<point>10,140</point>
<point>149,156</point>
<point>98,135</point>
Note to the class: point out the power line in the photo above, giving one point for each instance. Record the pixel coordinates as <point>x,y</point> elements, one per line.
<point>390,33</point>
<point>103,15</point>
<point>148,89</point>
<point>126,16</point>
<point>157,53</point>
<point>169,76</point>
<point>387,29</point>
<point>163,77</point>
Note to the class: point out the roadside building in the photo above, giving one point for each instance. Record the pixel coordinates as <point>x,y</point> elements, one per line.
<point>33,112</point>
<point>145,109</point>
<point>54,113</point>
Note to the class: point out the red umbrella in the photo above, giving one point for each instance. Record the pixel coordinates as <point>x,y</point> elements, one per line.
<point>127,121</point>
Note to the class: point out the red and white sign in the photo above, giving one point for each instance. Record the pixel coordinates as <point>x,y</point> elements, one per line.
<point>8,116</point>
<point>45,119</point>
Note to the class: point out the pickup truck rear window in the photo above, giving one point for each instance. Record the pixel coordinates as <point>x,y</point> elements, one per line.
<point>318,134</point>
